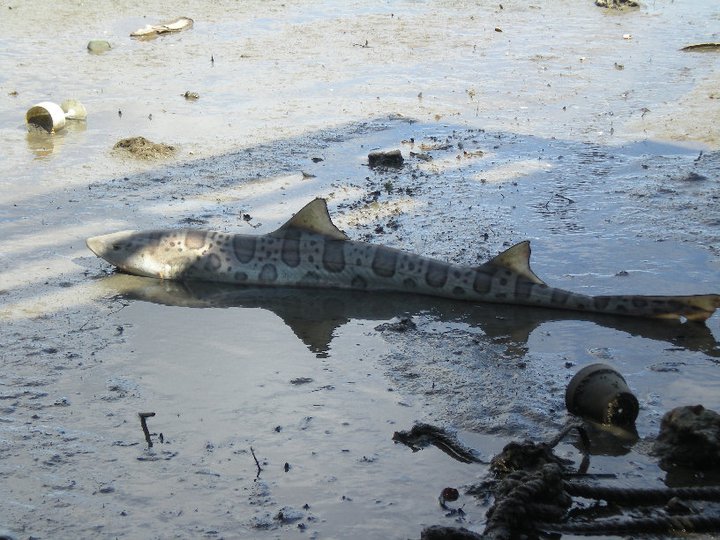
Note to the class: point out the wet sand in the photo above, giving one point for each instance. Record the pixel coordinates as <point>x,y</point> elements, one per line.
<point>600,149</point>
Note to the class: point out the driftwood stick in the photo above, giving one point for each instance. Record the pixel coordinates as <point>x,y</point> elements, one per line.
<point>143,422</point>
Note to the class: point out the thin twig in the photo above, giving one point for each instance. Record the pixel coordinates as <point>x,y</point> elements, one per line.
<point>558,196</point>
<point>259,468</point>
<point>143,422</point>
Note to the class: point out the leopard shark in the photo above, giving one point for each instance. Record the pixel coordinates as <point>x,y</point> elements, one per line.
<point>310,251</point>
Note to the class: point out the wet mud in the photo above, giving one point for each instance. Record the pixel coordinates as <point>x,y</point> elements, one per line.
<point>275,410</point>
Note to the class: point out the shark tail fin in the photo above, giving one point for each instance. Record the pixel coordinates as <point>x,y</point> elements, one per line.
<point>699,307</point>
<point>313,217</point>
<point>517,259</point>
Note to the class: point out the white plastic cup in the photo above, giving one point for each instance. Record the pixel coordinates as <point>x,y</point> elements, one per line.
<point>46,115</point>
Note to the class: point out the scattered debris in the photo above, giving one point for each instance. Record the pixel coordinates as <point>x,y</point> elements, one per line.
<point>403,325</point>
<point>142,148</point>
<point>530,456</point>
<point>617,4</point>
<point>689,437</point>
<point>392,159</point>
<point>151,31</point>
<point>191,96</point>
<point>423,435</point>
<point>98,46</point>
<point>599,393</point>
<point>51,117</point>
<point>257,463</point>
<point>143,423</point>
<point>301,380</point>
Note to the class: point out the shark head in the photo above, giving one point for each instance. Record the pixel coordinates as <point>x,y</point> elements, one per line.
<point>130,251</point>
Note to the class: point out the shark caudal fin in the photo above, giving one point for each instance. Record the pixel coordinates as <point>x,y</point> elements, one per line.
<point>313,217</point>
<point>517,259</point>
<point>698,308</point>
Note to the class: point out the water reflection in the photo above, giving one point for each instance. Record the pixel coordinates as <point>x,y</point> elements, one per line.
<point>315,315</point>
<point>43,144</point>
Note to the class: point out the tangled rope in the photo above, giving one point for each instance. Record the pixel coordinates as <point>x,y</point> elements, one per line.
<point>652,525</point>
<point>516,511</point>
<point>637,497</point>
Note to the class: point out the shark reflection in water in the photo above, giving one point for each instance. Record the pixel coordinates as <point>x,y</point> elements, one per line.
<point>314,315</point>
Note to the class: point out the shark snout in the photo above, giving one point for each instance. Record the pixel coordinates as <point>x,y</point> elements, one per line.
<point>95,244</point>
<point>103,246</point>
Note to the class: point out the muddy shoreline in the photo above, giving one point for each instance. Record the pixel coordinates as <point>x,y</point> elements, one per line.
<point>529,133</point>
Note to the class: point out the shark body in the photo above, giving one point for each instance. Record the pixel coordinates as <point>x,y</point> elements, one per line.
<point>310,251</point>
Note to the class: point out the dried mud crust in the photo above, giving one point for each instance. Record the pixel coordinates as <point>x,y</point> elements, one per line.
<point>142,148</point>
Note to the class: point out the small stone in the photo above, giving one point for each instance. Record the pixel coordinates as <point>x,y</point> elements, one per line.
<point>98,46</point>
<point>391,159</point>
<point>689,437</point>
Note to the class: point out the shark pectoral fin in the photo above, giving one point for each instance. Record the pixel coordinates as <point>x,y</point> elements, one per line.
<point>313,217</point>
<point>517,259</point>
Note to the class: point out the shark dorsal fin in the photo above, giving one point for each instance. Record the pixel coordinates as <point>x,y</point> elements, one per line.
<point>314,217</point>
<point>517,259</point>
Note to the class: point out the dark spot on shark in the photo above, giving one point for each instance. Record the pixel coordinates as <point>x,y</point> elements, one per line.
<point>639,302</point>
<point>359,282</point>
<point>268,273</point>
<point>244,248</point>
<point>291,248</point>
<point>503,282</point>
<point>410,283</point>
<point>524,288</point>
<point>212,262</point>
<point>240,277</point>
<point>601,302</point>
<point>559,297</point>
<point>436,274</point>
<point>483,282</point>
<point>384,262</point>
<point>458,291</point>
<point>333,258</point>
<point>195,239</point>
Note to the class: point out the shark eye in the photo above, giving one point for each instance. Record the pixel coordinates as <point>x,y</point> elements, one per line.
<point>117,247</point>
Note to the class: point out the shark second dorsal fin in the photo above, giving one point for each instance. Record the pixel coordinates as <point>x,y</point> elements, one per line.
<point>314,217</point>
<point>517,259</point>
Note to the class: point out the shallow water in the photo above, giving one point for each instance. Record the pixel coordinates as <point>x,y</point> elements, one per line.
<point>556,129</point>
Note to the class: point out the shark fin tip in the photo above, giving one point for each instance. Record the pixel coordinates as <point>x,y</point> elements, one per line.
<point>517,259</point>
<point>314,217</point>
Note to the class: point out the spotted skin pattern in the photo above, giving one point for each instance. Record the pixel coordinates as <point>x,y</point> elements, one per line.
<point>296,256</point>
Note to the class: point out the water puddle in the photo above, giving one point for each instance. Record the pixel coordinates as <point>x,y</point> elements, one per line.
<point>585,131</point>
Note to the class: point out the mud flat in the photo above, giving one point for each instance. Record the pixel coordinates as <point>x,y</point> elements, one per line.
<point>600,150</point>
